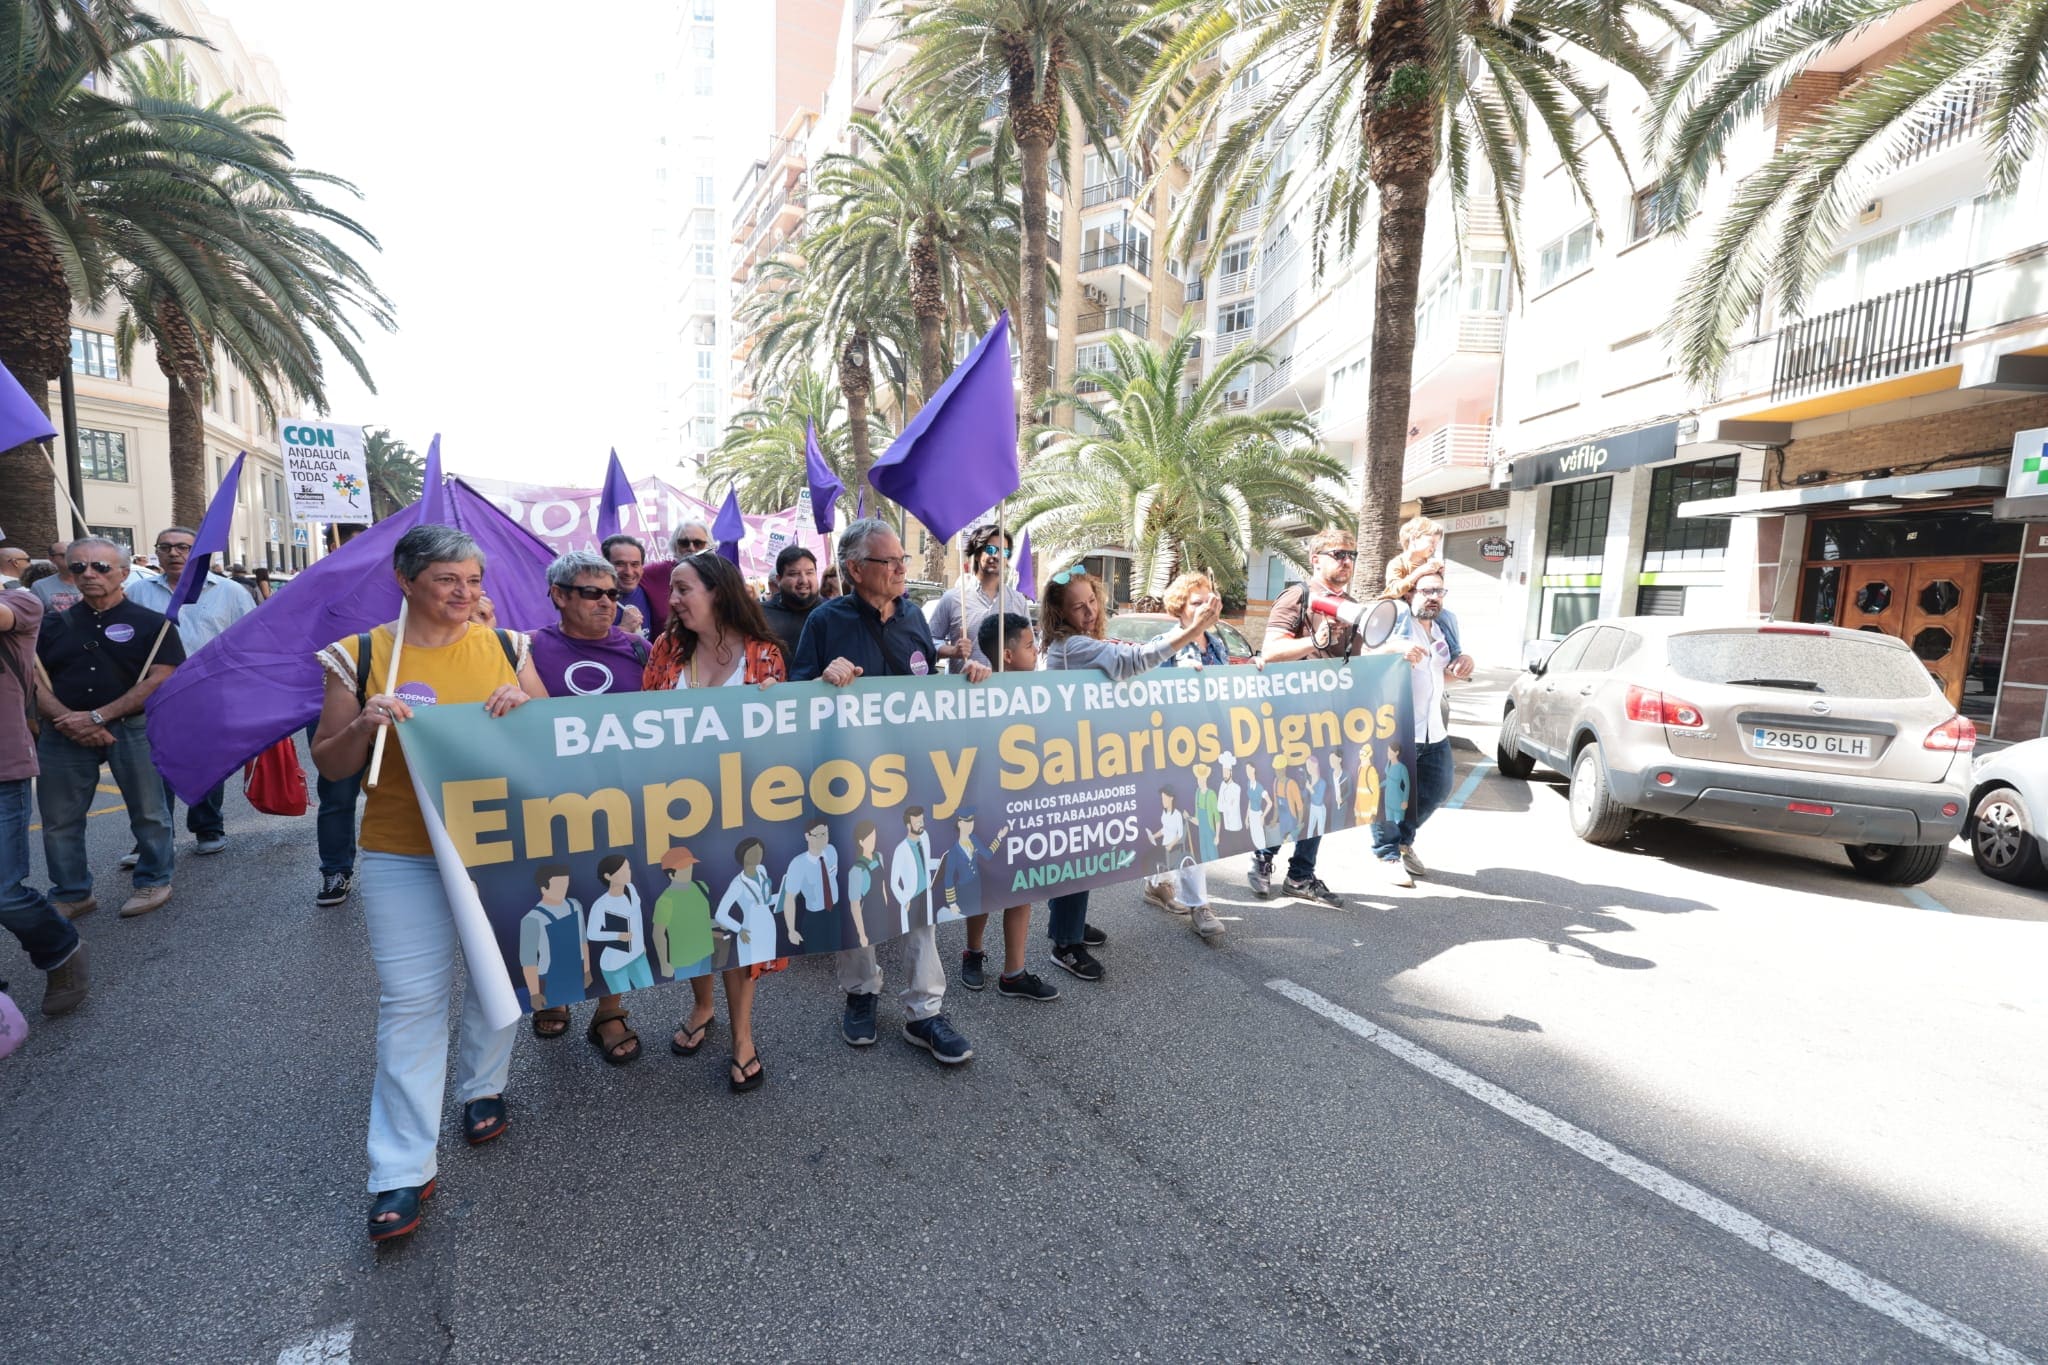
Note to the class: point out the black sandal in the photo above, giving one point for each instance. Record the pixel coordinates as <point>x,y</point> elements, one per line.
<point>703,1032</point>
<point>610,1051</point>
<point>484,1119</point>
<point>551,1022</point>
<point>405,1202</point>
<point>747,1082</point>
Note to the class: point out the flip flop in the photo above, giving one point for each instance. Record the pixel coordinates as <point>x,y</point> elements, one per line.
<point>749,1082</point>
<point>702,1033</point>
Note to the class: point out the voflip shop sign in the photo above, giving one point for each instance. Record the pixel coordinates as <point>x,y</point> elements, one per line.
<point>1623,450</point>
<point>326,470</point>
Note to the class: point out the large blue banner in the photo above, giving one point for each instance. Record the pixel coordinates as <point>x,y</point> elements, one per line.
<point>607,843</point>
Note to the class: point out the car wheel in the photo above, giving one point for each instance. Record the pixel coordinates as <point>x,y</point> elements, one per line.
<point>1897,864</point>
<point>2002,838</point>
<point>1507,755</point>
<point>1596,816</point>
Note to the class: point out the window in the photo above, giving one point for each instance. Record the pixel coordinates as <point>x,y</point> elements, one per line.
<point>1674,542</point>
<point>704,431</point>
<point>104,455</point>
<point>704,11</point>
<point>93,353</point>
<point>707,192</point>
<point>707,402</point>
<point>1486,281</point>
<point>1601,653</point>
<point>1584,126</point>
<point>1577,542</point>
<point>1235,317</point>
<point>1236,257</point>
<point>1557,386</point>
<point>1661,600</point>
<point>704,332</point>
<point>700,80</point>
<point>1565,257</point>
<point>701,43</point>
<point>704,365</point>
<point>1439,305</point>
<point>1344,377</point>
<point>123,536</point>
<point>1649,213</point>
<point>706,230</point>
<point>1997,227</point>
<point>234,405</point>
<point>701,259</point>
<point>1093,357</point>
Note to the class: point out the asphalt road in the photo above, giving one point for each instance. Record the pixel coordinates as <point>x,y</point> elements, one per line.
<point>1186,1162</point>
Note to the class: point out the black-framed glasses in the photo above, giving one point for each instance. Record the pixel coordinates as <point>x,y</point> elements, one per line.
<point>168,547</point>
<point>98,566</point>
<point>891,562</point>
<point>1342,556</point>
<point>1430,592</point>
<point>691,543</point>
<point>590,594</point>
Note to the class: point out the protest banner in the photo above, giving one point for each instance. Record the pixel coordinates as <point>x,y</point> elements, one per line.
<point>326,470</point>
<point>669,834</point>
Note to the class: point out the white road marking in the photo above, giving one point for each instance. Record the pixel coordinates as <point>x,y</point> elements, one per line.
<point>328,1346</point>
<point>1930,1322</point>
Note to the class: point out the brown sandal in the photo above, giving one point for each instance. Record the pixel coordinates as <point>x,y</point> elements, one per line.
<point>551,1022</point>
<point>629,1041</point>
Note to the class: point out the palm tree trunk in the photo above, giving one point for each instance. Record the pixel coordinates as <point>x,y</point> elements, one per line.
<point>1401,156</point>
<point>182,358</point>
<point>928,304</point>
<point>857,383</point>
<point>35,346</point>
<point>1035,120</point>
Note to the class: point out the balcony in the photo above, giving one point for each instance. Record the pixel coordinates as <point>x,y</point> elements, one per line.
<point>1273,319</point>
<point>1909,329</point>
<point>1457,446</point>
<point>1461,334</point>
<point>1117,254</point>
<point>1948,124</point>
<point>1249,217</point>
<point>1231,283</point>
<point>1275,380</point>
<point>1226,342</point>
<point>874,22</point>
<point>1235,400</point>
<point>1136,321</point>
<point>1106,191</point>
<point>1191,290</point>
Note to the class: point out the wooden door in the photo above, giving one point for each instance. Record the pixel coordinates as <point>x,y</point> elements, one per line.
<point>1874,596</point>
<point>1940,608</point>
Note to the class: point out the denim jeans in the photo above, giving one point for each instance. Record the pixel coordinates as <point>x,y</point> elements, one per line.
<point>337,822</point>
<point>1301,864</point>
<point>46,936</point>
<point>412,939</point>
<point>923,992</point>
<point>205,820</point>
<point>1068,918</point>
<point>1434,768</point>
<point>70,780</point>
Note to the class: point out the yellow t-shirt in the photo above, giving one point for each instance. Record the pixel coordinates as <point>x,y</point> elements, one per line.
<point>467,671</point>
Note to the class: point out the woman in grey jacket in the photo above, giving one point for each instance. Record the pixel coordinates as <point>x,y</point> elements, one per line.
<point>1072,618</point>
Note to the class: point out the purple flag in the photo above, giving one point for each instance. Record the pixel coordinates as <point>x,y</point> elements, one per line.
<point>730,528</point>
<point>1027,573</point>
<point>958,456</point>
<point>257,681</point>
<point>210,540</point>
<point>826,490</point>
<point>616,493</point>
<point>21,417</point>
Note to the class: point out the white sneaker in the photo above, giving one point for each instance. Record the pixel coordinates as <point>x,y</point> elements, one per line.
<point>1157,893</point>
<point>130,858</point>
<point>1395,873</point>
<point>1411,862</point>
<point>1204,922</point>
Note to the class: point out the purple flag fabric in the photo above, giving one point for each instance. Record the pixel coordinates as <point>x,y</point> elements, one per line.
<point>616,493</point>
<point>958,456</point>
<point>730,528</point>
<point>826,490</point>
<point>1027,573</point>
<point>257,681</point>
<point>209,540</point>
<point>21,417</point>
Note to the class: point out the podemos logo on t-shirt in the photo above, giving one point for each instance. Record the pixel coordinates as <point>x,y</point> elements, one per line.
<point>120,632</point>
<point>917,663</point>
<point>416,694</point>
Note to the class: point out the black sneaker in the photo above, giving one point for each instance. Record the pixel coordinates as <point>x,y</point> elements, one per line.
<point>1313,889</point>
<point>937,1037</point>
<point>857,1025</point>
<point>334,888</point>
<point>1093,937</point>
<point>1076,958</point>
<point>1260,878</point>
<point>971,974</point>
<point>1025,986</point>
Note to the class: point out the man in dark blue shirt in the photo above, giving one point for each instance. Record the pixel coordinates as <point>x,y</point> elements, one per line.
<point>875,631</point>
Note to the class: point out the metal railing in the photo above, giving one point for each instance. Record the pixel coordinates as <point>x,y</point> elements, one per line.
<point>1122,253</point>
<point>1191,290</point>
<point>1275,380</point>
<point>1249,217</point>
<point>1909,329</point>
<point>1276,317</point>
<point>1236,281</point>
<point>1226,342</point>
<point>1952,121</point>
<point>1103,191</point>
<point>1460,445</point>
<point>1136,321</point>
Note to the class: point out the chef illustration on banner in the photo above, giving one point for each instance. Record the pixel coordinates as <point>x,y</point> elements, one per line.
<point>327,472</point>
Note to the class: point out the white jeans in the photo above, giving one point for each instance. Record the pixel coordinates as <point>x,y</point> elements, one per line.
<point>412,938</point>
<point>860,969</point>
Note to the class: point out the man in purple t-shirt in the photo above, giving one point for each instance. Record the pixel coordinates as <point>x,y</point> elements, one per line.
<point>584,654</point>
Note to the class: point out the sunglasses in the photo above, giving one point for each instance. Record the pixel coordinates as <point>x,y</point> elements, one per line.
<point>590,594</point>
<point>689,544</point>
<point>97,566</point>
<point>1342,556</point>
<point>1070,574</point>
<point>1000,550</point>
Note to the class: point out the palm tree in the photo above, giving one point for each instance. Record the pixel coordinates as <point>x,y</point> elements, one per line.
<point>1781,225</point>
<point>396,472</point>
<point>1174,474</point>
<point>763,451</point>
<point>1044,57</point>
<point>246,276</point>
<point>1388,93</point>
<point>933,189</point>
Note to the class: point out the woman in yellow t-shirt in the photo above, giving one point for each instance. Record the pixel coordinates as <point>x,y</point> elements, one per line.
<point>446,659</point>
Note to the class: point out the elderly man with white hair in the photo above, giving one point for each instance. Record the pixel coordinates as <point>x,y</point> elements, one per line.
<point>691,537</point>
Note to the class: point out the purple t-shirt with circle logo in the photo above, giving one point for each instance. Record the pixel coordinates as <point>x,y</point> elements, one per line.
<point>570,667</point>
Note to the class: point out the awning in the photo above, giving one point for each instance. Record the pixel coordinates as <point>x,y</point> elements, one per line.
<point>1905,489</point>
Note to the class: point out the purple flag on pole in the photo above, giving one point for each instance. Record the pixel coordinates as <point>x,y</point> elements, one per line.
<point>257,681</point>
<point>826,490</point>
<point>958,456</point>
<point>730,528</point>
<point>21,417</point>
<point>209,540</point>
<point>1027,573</point>
<point>617,492</point>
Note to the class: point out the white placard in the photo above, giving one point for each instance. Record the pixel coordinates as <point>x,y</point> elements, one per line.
<point>326,470</point>
<point>2028,477</point>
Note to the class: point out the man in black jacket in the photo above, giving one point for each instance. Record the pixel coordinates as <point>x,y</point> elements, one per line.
<point>795,596</point>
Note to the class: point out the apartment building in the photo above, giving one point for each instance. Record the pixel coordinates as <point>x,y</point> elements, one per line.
<point>123,425</point>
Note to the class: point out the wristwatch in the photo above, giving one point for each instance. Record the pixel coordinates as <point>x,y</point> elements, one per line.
<point>96,718</point>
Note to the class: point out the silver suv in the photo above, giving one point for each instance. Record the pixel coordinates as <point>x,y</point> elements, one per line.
<point>1833,734</point>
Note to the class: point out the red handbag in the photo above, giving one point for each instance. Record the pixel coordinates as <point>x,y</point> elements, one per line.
<point>274,782</point>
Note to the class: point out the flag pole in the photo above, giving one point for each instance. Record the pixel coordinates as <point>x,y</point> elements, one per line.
<point>63,482</point>
<point>1003,587</point>
<point>390,681</point>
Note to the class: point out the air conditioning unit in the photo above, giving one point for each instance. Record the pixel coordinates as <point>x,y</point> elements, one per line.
<point>1095,295</point>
